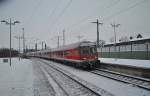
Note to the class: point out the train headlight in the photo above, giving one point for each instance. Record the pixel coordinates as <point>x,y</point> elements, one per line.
<point>84,58</point>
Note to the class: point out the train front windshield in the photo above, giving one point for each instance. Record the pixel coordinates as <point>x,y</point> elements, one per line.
<point>88,50</point>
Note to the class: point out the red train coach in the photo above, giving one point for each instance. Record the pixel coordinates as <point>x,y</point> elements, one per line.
<point>82,54</point>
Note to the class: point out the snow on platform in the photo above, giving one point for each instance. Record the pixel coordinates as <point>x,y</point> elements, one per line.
<point>112,86</point>
<point>16,80</point>
<point>130,62</point>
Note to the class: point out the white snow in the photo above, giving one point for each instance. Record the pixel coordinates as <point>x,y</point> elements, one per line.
<point>16,80</point>
<point>130,62</point>
<point>112,86</point>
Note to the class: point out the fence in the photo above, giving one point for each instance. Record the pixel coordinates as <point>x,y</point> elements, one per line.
<point>130,51</point>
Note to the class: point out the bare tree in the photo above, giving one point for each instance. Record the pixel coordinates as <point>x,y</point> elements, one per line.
<point>139,36</point>
<point>124,39</point>
<point>131,37</point>
<point>112,39</point>
<point>102,42</point>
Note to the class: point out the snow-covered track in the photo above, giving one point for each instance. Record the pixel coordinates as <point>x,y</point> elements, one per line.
<point>46,72</point>
<point>137,81</point>
<point>67,84</point>
<point>73,87</point>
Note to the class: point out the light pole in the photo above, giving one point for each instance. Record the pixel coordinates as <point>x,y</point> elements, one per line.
<point>10,23</point>
<point>36,45</point>
<point>115,26</point>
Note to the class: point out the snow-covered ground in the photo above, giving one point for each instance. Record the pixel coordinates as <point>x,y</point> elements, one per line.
<point>19,80</point>
<point>16,80</point>
<point>112,86</point>
<point>130,62</point>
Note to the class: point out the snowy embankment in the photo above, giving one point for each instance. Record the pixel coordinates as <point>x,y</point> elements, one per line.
<point>130,62</point>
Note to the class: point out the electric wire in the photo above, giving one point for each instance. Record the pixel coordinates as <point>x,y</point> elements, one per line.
<point>33,12</point>
<point>91,16</point>
<point>125,10</point>
<point>111,16</point>
<point>62,12</point>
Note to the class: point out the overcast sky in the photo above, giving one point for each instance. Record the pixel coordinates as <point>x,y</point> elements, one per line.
<point>46,19</point>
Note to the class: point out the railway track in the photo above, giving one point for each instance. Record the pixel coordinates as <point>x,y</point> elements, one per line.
<point>136,81</point>
<point>63,92</point>
<point>67,84</point>
<point>70,85</point>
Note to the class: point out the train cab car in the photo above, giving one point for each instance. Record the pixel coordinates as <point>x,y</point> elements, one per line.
<point>89,54</point>
<point>82,54</point>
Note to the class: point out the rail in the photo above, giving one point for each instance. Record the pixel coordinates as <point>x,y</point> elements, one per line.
<point>138,81</point>
<point>85,86</point>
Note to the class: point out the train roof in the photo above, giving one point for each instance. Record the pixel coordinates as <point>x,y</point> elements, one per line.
<point>74,45</point>
<point>67,47</point>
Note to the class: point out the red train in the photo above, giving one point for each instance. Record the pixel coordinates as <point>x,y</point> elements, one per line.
<point>82,54</point>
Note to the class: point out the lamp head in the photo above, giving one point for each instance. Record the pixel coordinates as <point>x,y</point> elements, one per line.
<point>16,22</point>
<point>118,25</point>
<point>4,21</point>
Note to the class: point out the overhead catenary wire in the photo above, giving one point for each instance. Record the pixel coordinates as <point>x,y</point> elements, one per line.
<point>91,16</point>
<point>54,10</point>
<point>33,12</point>
<point>62,12</point>
<point>111,16</point>
<point>125,10</point>
<point>85,19</point>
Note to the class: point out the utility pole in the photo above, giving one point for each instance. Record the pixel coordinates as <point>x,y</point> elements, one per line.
<point>79,37</point>
<point>26,49</point>
<point>35,46</point>
<point>58,37</point>
<point>98,23</point>
<point>10,23</point>
<point>115,35</point>
<point>42,42</point>
<point>63,37</point>
<point>63,42</point>
<point>42,45</point>
<point>18,37</point>
<point>45,46</point>
<point>23,40</point>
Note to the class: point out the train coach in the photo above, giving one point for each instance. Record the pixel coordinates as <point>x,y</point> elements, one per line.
<point>82,54</point>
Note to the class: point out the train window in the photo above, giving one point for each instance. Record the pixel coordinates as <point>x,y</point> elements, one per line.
<point>85,50</point>
<point>66,53</point>
<point>92,50</point>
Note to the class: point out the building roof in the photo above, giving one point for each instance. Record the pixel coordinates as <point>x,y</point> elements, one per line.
<point>137,41</point>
